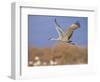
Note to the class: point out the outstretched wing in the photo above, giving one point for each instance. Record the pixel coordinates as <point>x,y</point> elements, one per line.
<point>69,33</point>
<point>70,30</point>
<point>59,29</point>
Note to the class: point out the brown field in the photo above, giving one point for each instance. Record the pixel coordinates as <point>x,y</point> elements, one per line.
<point>62,53</point>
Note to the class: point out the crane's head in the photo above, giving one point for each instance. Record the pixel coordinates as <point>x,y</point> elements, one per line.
<point>75,25</point>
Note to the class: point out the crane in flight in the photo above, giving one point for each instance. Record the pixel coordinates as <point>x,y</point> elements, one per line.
<point>65,36</point>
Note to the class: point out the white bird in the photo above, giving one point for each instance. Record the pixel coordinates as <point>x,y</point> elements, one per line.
<point>36,58</point>
<point>30,62</point>
<point>53,62</point>
<point>65,36</point>
<point>44,63</point>
<point>37,63</point>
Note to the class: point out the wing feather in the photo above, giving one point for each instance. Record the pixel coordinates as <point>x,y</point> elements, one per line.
<point>59,29</point>
<point>69,33</point>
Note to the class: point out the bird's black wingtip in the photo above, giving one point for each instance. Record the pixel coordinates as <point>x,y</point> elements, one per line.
<point>55,20</point>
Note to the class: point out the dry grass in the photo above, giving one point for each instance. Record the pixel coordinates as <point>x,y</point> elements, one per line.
<point>62,53</point>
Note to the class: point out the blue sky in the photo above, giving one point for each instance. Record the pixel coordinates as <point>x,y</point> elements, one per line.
<point>41,28</point>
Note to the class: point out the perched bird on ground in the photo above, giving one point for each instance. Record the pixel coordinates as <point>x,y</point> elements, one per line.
<point>65,36</point>
<point>53,62</point>
<point>37,61</point>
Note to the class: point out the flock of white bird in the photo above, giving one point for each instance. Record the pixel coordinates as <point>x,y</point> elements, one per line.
<point>38,62</point>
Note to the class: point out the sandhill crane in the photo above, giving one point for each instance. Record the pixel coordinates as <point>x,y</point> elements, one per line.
<point>65,36</point>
